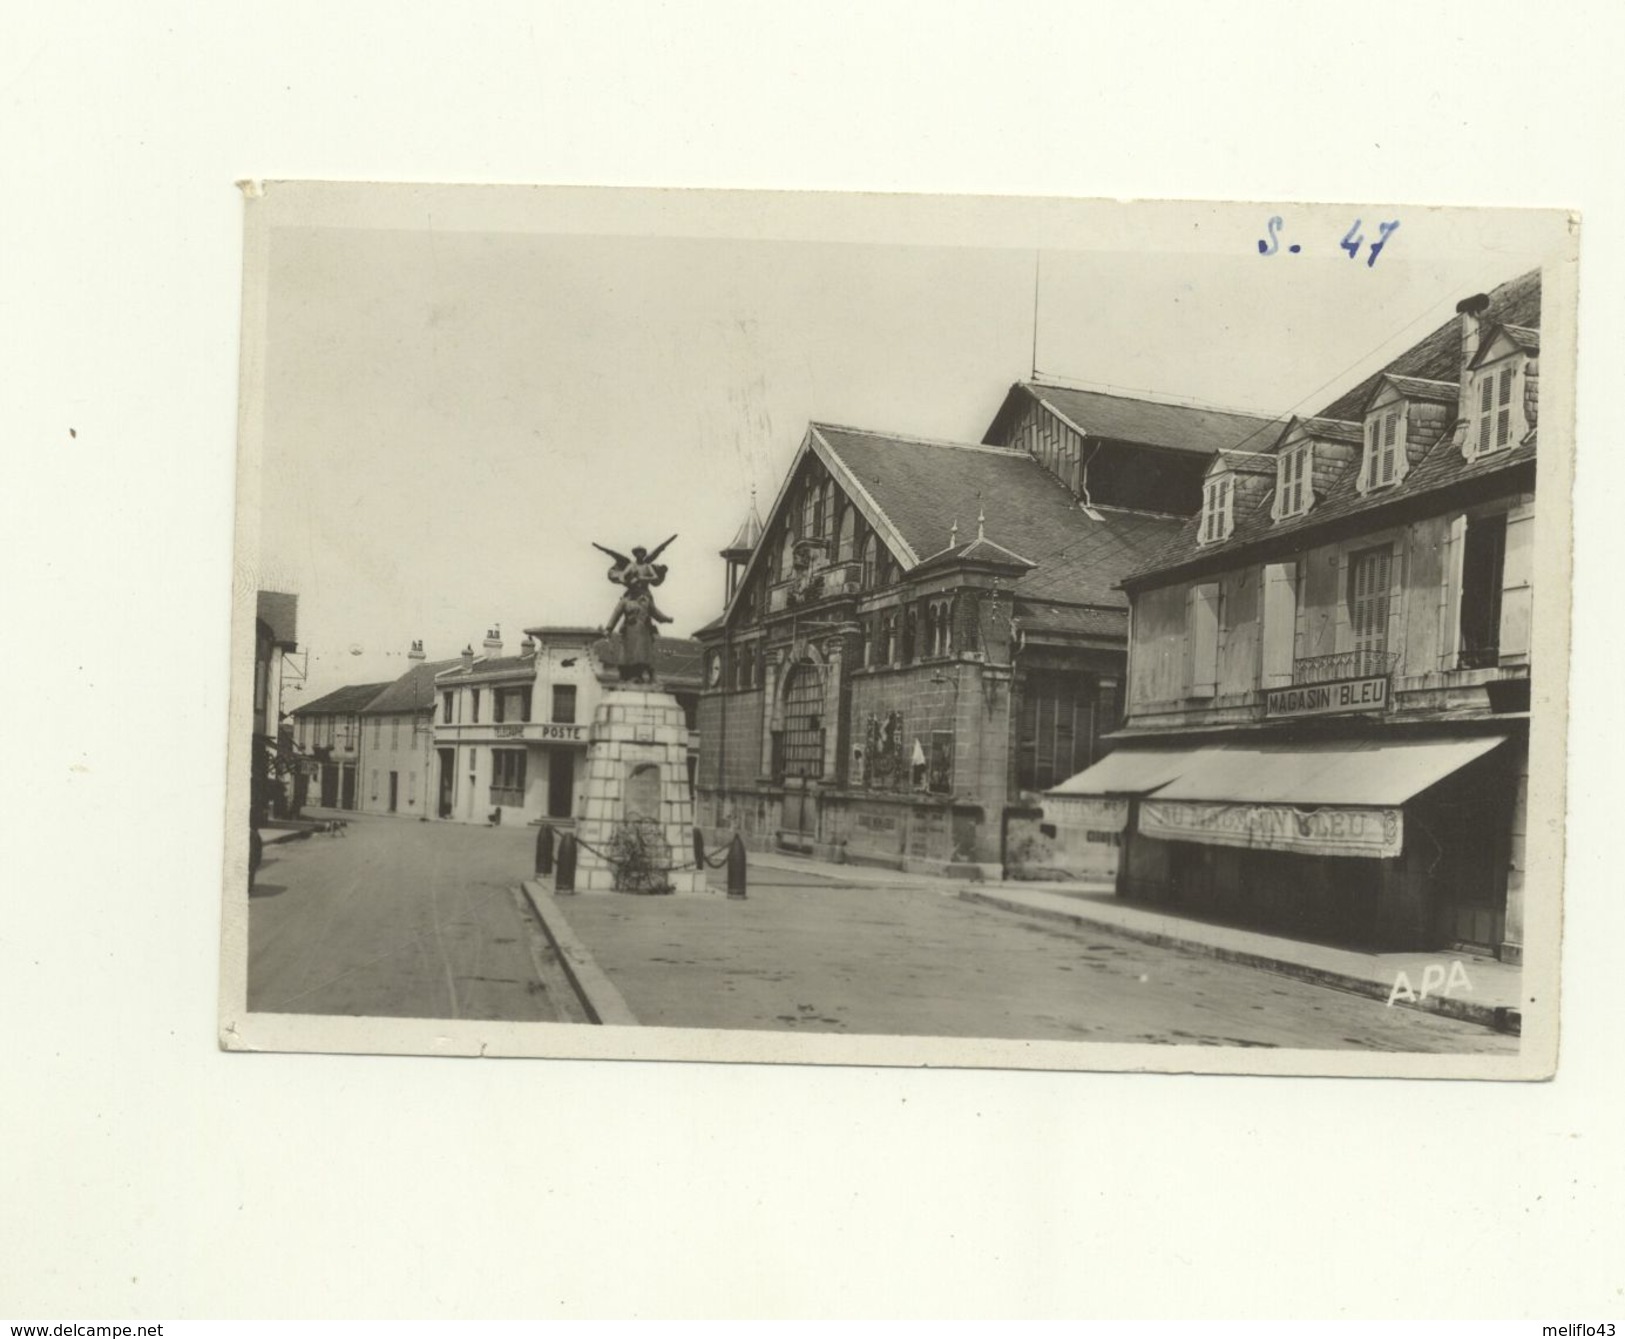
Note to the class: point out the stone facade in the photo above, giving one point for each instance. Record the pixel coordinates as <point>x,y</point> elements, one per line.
<point>637,774</point>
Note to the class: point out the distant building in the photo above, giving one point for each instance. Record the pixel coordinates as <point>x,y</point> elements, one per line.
<point>511,732</point>
<point>397,759</point>
<point>276,623</point>
<point>1329,680</point>
<point>329,731</point>
<point>926,635</point>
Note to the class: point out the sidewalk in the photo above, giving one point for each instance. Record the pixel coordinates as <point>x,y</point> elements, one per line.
<point>1491,994</point>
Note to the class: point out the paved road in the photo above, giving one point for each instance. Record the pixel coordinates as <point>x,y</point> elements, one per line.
<point>844,953</point>
<point>397,919</point>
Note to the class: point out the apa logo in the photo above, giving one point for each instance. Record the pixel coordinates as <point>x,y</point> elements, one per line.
<point>1435,981</point>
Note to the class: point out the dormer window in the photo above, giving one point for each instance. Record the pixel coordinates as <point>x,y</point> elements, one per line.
<point>1384,460</point>
<point>1492,427</point>
<point>1218,509</point>
<point>1293,474</point>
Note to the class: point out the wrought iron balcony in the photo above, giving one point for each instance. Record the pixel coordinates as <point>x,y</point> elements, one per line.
<point>1344,665</point>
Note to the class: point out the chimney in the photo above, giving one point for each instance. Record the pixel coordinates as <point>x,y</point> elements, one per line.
<point>468,659</point>
<point>1472,329</point>
<point>493,642</point>
<point>416,653</point>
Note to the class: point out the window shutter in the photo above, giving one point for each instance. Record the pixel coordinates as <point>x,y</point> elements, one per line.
<point>1368,455</point>
<point>1503,412</point>
<point>1342,639</point>
<point>1455,546</point>
<point>1517,592</point>
<point>1280,622</point>
<point>1203,625</point>
<point>1486,392</point>
<point>1396,604</point>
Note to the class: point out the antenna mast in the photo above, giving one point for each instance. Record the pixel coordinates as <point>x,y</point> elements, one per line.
<point>1038,261</point>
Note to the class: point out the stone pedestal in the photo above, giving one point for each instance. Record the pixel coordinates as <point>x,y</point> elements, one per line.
<point>637,776</point>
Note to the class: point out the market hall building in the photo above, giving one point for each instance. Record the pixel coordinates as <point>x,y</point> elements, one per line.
<point>1329,669</point>
<point>923,636</point>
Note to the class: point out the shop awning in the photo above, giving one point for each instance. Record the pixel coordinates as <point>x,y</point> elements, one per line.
<point>1130,771</point>
<point>1376,773</point>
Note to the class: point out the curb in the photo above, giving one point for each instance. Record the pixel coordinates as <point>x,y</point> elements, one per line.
<point>595,991</point>
<point>1498,1018</point>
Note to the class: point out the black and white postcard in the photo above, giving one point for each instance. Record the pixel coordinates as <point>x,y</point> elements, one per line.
<point>901,630</point>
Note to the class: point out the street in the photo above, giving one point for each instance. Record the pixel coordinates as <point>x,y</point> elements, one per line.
<point>406,919</point>
<point>822,952</point>
<point>397,919</point>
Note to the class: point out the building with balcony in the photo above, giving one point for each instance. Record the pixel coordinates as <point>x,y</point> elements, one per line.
<point>925,635</point>
<point>1329,667</point>
<point>328,731</point>
<point>511,732</point>
<point>397,762</point>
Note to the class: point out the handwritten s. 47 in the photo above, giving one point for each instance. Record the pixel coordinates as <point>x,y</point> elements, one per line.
<point>1353,240</point>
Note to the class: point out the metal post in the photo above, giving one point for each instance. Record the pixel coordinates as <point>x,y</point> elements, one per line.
<point>565,881</point>
<point>699,851</point>
<point>736,867</point>
<point>544,850</point>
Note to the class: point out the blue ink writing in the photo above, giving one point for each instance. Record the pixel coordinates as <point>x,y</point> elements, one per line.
<point>1351,243</point>
<point>1385,231</point>
<point>1352,239</point>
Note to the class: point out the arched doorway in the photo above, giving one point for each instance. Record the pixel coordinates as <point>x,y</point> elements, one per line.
<point>800,750</point>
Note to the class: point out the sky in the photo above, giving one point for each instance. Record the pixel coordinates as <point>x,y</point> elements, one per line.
<point>451,417</point>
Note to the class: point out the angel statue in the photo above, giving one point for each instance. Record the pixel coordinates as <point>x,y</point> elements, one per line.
<point>635,612</point>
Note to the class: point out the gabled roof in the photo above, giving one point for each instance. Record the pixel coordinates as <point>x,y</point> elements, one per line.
<point>280,613</point>
<point>1322,430</point>
<point>916,485</point>
<point>413,691</point>
<point>980,551</point>
<point>1438,357</point>
<point>1242,462</point>
<point>1125,418</point>
<point>1523,337</point>
<point>341,701</point>
<point>1435,360</point>
<point>1417,388</point>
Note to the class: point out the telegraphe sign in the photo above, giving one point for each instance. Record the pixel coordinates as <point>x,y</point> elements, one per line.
<point>1325,699</point>
<point>1376,833</point>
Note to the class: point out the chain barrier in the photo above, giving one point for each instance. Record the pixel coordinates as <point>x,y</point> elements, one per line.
<point>721,858</point>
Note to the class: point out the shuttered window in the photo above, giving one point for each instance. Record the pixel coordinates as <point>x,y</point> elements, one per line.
<point>1280,622</point>
<point>1382,463</point>
<point>1202,640</point>
<point>1370,591</point>
<point>1493,422</point>
<point>1217,509</point>
<point>1292,481</point>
